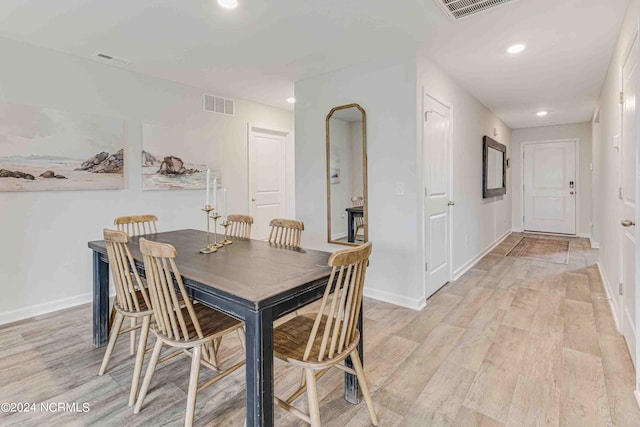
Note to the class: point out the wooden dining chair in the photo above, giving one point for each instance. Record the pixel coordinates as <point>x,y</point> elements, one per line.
<point>240,226</point>
<point>137,225</point>
<point>286,232</point>
<point>317,342</point>
<point>357,201</point>
<point>185,326</point>
<point>132,301</point>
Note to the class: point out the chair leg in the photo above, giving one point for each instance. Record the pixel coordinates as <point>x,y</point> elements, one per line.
<point>362,380</point>
<point>147,377</point>
<point>312,396</point>
<point>132,345</point>
<point>113,337</point>
<point>193,386</point>
<point>142,345</point>
<point>242,337</point>
<point>112,315</point>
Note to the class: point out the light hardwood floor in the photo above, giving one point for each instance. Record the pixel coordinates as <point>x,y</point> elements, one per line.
<point>513,342</point>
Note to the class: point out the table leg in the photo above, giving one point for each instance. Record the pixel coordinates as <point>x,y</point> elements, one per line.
<point>259,369</point>
<point>351,387</point>
<point>351,234</point>
<point>100,300</point>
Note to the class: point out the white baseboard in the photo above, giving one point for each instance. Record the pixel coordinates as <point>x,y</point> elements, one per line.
<point>613,304</point>
<point>594,245</point>
<point>467,266</point>
<point>47,307</point>
<point>636,393</point>
<point>517,230</point>
<point>585,235</point>
<point>395,299</point>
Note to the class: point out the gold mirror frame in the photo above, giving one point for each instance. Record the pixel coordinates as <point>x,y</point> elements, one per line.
<point>365,196</point>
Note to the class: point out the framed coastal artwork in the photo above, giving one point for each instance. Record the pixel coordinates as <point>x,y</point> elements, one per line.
<point>43,149</point>
<point>176,158</point>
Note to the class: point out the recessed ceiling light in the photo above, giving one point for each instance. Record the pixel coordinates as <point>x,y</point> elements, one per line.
<point>291,100</point>
<point>541,113</point>
<point>516,48</point>
<point>228,4</point>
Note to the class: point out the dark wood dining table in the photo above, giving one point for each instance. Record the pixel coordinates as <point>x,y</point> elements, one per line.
<point>251,280</point>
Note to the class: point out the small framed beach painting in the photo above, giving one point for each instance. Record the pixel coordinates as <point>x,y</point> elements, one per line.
<point>176,158</point>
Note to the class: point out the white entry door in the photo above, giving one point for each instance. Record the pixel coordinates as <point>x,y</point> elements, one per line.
<point>628,201</point>
<point>267,189</point>
<point>550,187</point>
<point>437,191</point>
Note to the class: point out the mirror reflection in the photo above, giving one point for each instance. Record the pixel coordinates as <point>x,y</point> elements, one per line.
<point>346,175</point>
<point>495,173</point>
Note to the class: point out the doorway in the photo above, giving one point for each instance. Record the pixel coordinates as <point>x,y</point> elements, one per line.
<point>550,186</point>
<point>268,164</point>
<point>437,149</point>
<point>627,196</point>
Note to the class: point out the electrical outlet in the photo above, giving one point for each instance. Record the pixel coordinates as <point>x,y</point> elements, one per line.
<point>399,188</point>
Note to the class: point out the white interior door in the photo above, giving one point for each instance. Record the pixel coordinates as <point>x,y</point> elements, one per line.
<point>267,171</point>
<point>628,200</point>
<point>550,187</point>
<point>437,176</point>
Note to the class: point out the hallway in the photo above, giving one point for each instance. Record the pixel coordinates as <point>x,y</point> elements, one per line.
<point>514,342</point>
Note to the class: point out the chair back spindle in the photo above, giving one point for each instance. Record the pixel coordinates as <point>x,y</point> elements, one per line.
<point>162,278</point>
<point>127,282</point>
<point>240,226</point>
<point>137,225</point>
<point>337,319</point>
<point>286,232</point>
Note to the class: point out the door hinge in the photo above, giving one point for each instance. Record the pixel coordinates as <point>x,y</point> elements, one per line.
<point>523,219</point>
<point>621,98</point>
<point>620,193</point>
<point>621,289</point>
<point>426,116</point>
<point>426,266</point>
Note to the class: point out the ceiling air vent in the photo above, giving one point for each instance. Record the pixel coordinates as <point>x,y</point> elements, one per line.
<point>458,9</point>
<point>216,104</point>
<point>114,60</point>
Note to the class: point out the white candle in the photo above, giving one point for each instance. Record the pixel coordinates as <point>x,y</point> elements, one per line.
<point>207,203</point>
<point>224,204</point>
<point>215,192</point>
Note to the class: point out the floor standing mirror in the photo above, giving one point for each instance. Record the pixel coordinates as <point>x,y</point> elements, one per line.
<point>347,219</point>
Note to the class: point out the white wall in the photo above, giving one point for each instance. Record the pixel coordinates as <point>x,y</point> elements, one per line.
<point>477,223</point>
<point>44,260</point>
<point>581,131</point>
<point>607,167</point>
<point>386,91</point>
<point>389,91</point>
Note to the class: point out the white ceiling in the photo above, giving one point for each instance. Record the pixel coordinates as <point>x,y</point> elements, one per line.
<point>257,51</point>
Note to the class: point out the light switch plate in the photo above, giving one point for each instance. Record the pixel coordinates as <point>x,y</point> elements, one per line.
<point>399,188</point>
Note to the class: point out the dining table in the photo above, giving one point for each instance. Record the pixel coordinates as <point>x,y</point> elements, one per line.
<point>352,213</point>
<point>251,280</point>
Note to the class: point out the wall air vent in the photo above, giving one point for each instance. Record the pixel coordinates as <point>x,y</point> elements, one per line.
<point>458,9</point>
<point>113,60</point>
<point>216,104</point>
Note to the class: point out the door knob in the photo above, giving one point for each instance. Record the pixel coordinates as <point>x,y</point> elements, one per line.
<point>451,203</point>
<point>627,223</point>
<point>571,192</point>
<point>253,199</point>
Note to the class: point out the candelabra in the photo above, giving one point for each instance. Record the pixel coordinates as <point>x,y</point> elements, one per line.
<point>226,223</point>
<point>215,217</point>
<point>210,248</point>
